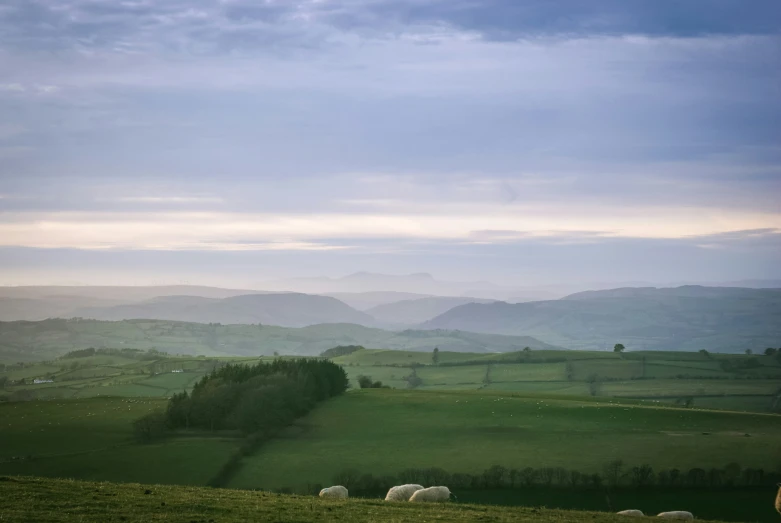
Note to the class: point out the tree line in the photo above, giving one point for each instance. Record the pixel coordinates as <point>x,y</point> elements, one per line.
<point>254,399</point>
<point>615,474</point>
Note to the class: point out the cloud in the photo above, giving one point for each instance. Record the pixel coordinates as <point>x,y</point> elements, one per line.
<point>381,126</point>
<point>13,88</point>
<point>229,231</point>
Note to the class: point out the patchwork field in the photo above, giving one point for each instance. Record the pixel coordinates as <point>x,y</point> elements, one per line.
<point>731,382</point>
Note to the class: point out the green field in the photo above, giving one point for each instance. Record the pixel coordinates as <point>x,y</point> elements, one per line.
<point>730,382</point>
<point>383,432</point>
<point>34,499</point>
<point>92,439</point>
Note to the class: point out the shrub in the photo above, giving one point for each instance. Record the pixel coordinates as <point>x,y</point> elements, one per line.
<point>150,427</point>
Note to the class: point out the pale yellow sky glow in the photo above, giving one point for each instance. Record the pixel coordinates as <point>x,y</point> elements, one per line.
<point>242,231</point>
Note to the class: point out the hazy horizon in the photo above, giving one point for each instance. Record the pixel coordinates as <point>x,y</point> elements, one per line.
<point>232,143</point>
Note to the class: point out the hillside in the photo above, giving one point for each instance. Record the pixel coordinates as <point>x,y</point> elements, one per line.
<point>685,318</point>
<point>366,300</point>
<point>287,310</point>
<point>56,500</point>
<point>34,341</point>
<point>410,312</point>
<point>119,292</point>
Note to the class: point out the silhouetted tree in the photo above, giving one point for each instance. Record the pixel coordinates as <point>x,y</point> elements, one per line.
<point>435,356</point>
<point>618,348</point>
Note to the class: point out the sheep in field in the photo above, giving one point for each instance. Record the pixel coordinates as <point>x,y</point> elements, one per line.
<point>431,494</point>
<point>335,492</point>
<point>402,492</point>
<point>676,514</point>
<point>778,499</point>
<point>631,513</point>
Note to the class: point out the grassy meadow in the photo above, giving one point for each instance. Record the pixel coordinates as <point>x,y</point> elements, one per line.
<point>383,432</point>
<point>731,382</point>
<point>93,439</point>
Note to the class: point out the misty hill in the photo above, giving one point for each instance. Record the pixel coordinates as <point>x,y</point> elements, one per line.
<point>127,293</point>
<point>288,310</point>
<point>684,318</point>
<point>366,300</point>
<point>418,283</point>
<point>31,341</point>
<point>34,309</point>
<point>419,310</point>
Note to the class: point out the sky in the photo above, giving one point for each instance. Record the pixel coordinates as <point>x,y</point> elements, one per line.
<point>525,142</point>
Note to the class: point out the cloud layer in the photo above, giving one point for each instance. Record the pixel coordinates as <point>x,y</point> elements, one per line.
<point>391,129</point>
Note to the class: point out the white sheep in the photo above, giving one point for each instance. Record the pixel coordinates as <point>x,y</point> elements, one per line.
<point>631,512</point>
<point>431,495</point>
<point>778,499</point>
<point>676,514</point>
<point>402,492</point>
<point>335,492</point>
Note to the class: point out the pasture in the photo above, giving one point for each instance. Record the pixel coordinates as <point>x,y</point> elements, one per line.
<point>59,501</point>
<point>383,432</point>
<point>731,382</point>
<point>93,439</point>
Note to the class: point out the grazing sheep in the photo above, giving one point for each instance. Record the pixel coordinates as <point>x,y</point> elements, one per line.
<point>335,492</point>
<point>631,513</point>
<point>778,499</point>
<point>431,494</point>
<point>676,514</point>
<point>402,492</point>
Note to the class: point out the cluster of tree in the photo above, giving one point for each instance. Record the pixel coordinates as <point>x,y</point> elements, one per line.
<point>736,365</point>
<point>365,382</point>
<point>257,398</point>
<point>413,380</point>
<point>138,354</point>
<point>615,475</point>
<point>341,350</point>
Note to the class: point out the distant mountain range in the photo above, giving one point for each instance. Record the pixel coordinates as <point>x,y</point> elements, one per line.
<point>683,318</point>
<point>287,310</point>
<point>725,319</point>
<point>366,300</point>
<point>412,312</point>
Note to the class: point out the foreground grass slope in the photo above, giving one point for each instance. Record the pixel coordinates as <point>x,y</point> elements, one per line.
<point>35,500</point>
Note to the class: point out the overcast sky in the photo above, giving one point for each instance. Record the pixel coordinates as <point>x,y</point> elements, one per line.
<point>232,142</point>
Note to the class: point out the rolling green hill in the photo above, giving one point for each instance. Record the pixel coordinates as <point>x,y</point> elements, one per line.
<point>684,318</point>
<point>286,309</point>
<point>34,341</point>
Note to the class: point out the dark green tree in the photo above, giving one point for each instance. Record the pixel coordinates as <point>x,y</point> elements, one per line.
<point>435,356</point>
<point>150,427</point>
<point>618,347</point>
